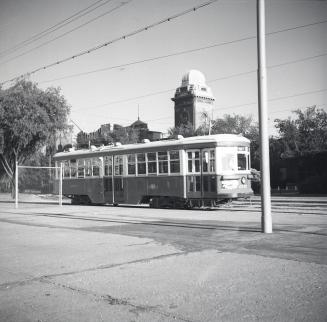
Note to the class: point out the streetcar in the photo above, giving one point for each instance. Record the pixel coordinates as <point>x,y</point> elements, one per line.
<point>176,173</point>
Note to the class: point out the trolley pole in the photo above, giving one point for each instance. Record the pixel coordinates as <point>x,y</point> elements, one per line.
<point>266,220</point>
<point>16,183</point>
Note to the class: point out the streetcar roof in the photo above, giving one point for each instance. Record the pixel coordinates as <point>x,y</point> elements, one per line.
<point>180,143</point>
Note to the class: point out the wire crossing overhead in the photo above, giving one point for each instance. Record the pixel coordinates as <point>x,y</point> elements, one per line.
<point>279,98</point>
<point>172,55</point>
<point>216,108</point>
<point>121,4</point>
<point>55,27</point>
<point>225,43</point>
<point>133,33</point>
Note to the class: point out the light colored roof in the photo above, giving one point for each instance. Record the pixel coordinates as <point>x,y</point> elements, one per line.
<point>193,77</point>
<point>195,82</point>
<point>217,139</point>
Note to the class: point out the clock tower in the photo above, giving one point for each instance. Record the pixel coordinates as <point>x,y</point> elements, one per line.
<point>191,99</point>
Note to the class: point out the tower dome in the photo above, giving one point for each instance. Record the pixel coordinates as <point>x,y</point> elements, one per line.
<point>191,99</point>
<point>193,77</point>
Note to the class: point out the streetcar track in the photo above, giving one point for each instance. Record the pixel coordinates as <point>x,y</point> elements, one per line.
<point>248,227</point>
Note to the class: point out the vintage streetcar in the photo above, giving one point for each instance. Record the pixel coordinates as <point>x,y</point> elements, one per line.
<point>183,172</point>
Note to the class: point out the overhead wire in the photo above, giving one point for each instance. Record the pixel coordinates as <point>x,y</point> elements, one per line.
<point>209,81</point>
<point>57,26</point>
<point>145,29</point>
<point>146,60</point>
<point>254,103</point>
<point>121,4</point>
<point>273,99</point>
<point>247,104</point>
<point>130,34</point>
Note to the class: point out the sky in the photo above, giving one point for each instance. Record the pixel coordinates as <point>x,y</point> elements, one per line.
<point>142,71</point>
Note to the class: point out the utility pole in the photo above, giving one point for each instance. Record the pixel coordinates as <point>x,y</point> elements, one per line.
<point>266,220</point>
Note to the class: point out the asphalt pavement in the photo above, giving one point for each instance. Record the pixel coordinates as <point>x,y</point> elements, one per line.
<point>101,263</point>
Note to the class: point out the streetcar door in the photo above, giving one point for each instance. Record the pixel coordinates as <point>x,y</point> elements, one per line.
<point>194,174</point>
<point>118,182</point>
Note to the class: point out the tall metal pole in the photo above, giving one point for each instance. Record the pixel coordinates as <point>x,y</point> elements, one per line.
<point>16,183</point>
<point>266,221</point>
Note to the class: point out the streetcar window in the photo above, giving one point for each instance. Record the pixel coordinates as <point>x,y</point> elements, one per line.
<point>228,161</point>
<point>108,166</point>
<point>241,161</point>
<point>208,160</point>
<point>212,161</point>
<point>205,161</point>
<point>152,162</point>
<point>193,162</point>
<point>73,168</point>
<point>88,168</point>
<point>163,162</point>
<point>141,164</point>
<point>189,162</point>
<point>80,168</point>
<point>66,169</point>
<point>174,162</point>
<point>96,164</point>
<point>131,165</point>
<point>197,162</point>
<point>118,160</point>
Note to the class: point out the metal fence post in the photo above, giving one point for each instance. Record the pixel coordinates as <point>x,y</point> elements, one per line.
<point>60,185</point>
<point>16,184</point>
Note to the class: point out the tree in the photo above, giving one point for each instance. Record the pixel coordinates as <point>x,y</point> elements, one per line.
<point>30,117</point>
<point>184,130</point>
<point>235,124</point>
<point>306,133</point>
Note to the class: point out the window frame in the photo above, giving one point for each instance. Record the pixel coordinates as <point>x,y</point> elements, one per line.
<point>174,160</point>
<point>119,164</point>
<point>211,164</point>
<point>152,162</point>
<point>193,159</point>
<point>80,167</point>
<point>107,164</point>
<point>133,156</point>
<point>163,162</point>
<point>141,162</point>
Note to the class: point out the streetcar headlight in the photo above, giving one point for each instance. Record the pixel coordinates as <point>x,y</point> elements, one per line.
<point>243,180</point>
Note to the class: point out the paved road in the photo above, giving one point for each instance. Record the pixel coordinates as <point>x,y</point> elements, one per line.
<point>137,264</point>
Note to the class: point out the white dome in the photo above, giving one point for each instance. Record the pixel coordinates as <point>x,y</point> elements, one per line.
<point>193,77</point>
